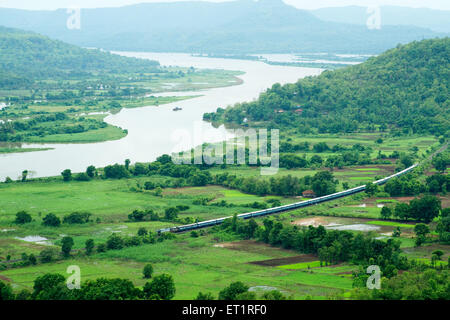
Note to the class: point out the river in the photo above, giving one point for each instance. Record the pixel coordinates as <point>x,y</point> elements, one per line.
<point>151,129</point>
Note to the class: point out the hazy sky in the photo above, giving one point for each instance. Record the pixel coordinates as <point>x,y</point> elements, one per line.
<point>304,4</point>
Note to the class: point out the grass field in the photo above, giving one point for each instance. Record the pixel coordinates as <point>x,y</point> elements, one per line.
<point>196,265</point>
<point>300,266</point>
<point>208,263</point>
<point>392,224</point>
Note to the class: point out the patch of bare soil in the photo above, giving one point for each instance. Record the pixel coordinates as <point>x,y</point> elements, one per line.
<point>315,221</point>
<point>5,278</point>
<point>284,261</point>
<point>403,199</point>
<point>253,246</point>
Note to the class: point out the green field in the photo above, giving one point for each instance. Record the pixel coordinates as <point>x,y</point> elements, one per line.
<point>392,224</point>
<point>196,265</point>
<point>300,266</point>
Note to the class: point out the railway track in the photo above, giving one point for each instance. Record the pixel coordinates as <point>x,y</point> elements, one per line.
<point>288,207</point>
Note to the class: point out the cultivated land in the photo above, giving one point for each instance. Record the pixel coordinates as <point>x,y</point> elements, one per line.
<point>117,205</point>
<point>210,262</point>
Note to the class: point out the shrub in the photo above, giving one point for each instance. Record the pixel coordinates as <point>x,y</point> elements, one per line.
<point>82,177</point>
<point>77,218</point>
<point>148,271</point>
<point>163,286</point>
<point>114,242</point>
<point>51,220</point>
<point>48,255</point>
<point>22,217</point>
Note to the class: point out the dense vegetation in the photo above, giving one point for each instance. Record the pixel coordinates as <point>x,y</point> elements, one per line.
<point>27,56</point>
<point>405,89</point>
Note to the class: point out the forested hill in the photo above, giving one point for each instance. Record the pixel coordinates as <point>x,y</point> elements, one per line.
<point>27,56</point>
<point>405,89</point>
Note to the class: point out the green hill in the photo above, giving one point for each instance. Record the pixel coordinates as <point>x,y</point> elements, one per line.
<point>27,56</point>
<point>405,89</point>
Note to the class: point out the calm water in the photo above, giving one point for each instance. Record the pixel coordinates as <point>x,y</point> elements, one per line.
<point>151,129</point>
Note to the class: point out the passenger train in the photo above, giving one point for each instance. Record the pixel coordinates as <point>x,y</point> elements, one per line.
<point>284,208</point>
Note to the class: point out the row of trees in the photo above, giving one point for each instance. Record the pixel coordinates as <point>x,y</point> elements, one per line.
<point>53,286</point>
<point>411,185</point>
<point>321,183</point>
<point>51,220</point>
<point>424,209</point>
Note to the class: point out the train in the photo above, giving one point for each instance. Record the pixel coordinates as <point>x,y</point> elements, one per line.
<point>284,208</point>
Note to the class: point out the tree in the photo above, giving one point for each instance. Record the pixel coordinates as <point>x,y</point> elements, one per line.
<point>162,286</point>
<point>116,171</point>
<point>24,175</point>
<point>438,254</point>
<point>386,212</point>
<point>50,287</point>
<point>397,232</point>
<point>47,255</point>
<point>273,295</point>
<point>441,161</point>
<point>22,217</point>
<point>67,175</point>
<point>6,292</point>
<point>371,189</point>
<point>77,218</point>
<point>142,232</point>
<point>421,231</point>
<point>425,209</point>
<point>108,289</point>
<point>158,192</point>
<point>32,259</point>
<point>148,271</point>
<point>51,220</point>
<point>137,215</point>
<point>89,244</point>
<point>114,242</point>
<point>204,296</point>
<point>127,164</point>
<point>402,210</point>
<point>91,171</point>
<point>234,222</point>
<point>149,185</point>
<point>171,213</point>
<point>233,291</point>
<point>67,244</point>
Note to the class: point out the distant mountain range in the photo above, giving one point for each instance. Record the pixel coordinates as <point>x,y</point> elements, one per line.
<point>244,26</point>
<point>436,20</point>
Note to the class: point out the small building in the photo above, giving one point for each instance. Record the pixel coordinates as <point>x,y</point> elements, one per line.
<point>309,194</point>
